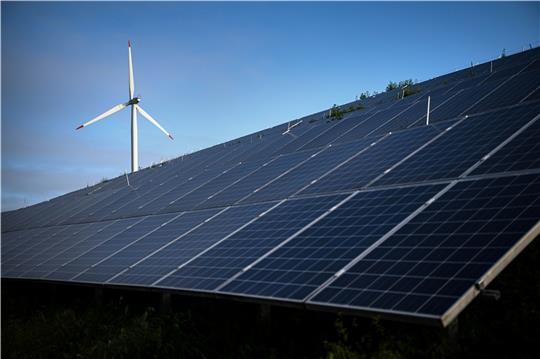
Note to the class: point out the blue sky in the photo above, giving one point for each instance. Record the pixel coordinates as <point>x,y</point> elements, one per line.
<point>210,72</point>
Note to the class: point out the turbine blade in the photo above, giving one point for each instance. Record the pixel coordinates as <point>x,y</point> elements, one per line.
<point>152,121</point>
<point>131,80</point>
<point>105,114</point>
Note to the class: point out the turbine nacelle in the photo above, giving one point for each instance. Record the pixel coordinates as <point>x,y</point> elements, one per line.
<point>134,103</point>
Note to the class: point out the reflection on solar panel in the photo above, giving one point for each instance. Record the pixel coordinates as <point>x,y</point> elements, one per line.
<point>374,213</point>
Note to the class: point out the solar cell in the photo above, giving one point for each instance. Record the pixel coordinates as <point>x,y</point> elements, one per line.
<point>433,260</point>
<point>215,266</point>
<point>461,146</point>
<point>301,265</point>
<point>157,264</point>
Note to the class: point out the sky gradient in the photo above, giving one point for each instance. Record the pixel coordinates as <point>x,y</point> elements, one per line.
<point>210,72</point>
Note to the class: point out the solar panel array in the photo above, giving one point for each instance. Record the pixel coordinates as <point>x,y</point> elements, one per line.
<point>377,213</point>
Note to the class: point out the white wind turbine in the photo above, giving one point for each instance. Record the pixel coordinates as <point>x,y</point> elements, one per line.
<point>134,103</point>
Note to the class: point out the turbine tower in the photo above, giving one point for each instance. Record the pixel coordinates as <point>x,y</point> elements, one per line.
<point>134,103</point>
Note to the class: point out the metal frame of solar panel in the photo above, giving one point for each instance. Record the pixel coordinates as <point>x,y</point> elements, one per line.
<point>409,225</point>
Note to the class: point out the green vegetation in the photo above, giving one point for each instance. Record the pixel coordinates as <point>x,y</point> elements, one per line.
<point>391,86</point>
<point>366,94</point>
<point>336,113</point>
<point>66,323</point>
<point>408,86</point>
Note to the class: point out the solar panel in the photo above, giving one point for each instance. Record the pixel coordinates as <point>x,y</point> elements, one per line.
<point>168,258</point>
<point>510,93</point>
<point>33,266</point>
<point>65,264</point>
<point>373,122</point>
<point>115,243</point>
<point>463,100</point>
<point>519,154</point>
<point>433,261</point>
<point>305,262</point>
<point>26,258</point>
<point>364,168</point>
<point>461,146</point>
<point>212,268</point>
<point>342,126</point>
<point>238,190</point>
<point>315,167</point>
<point>201,194</point>
<point>128,255</point>
<point>306,137</point>
<point>533,96</point>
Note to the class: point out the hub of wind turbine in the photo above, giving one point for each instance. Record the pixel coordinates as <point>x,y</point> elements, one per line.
<point>135,108</point>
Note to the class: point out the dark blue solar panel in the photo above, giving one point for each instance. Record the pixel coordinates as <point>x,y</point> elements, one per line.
<point>304,263</point>
<point>510,93</point>
<point>229,257</point>
<point>522,153</point>
<point>428,264</point>
<point>469,82</point>
<point>309,171</point>
<point>405,118</point>
<point>13,243</point>
<point>373,162</point>
<point>33,238</point>
<point>154,196</point>
<point>202,193</point>
<point>453,153</point>
<point>364,128</point>
<point>132,204</point>
<point>342,126</point>
<point>306,137</point>
<point>115,243</point>
<point>533,96</point>
<point>460,102</point>
<point>33,267</point>
<point>64,266</point>
<point>178,252</point>
<point>244,187</point>
<point>30,256</point>
<point>120,260</point>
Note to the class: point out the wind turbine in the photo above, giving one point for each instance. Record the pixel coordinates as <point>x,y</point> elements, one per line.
<point>134,103</point>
